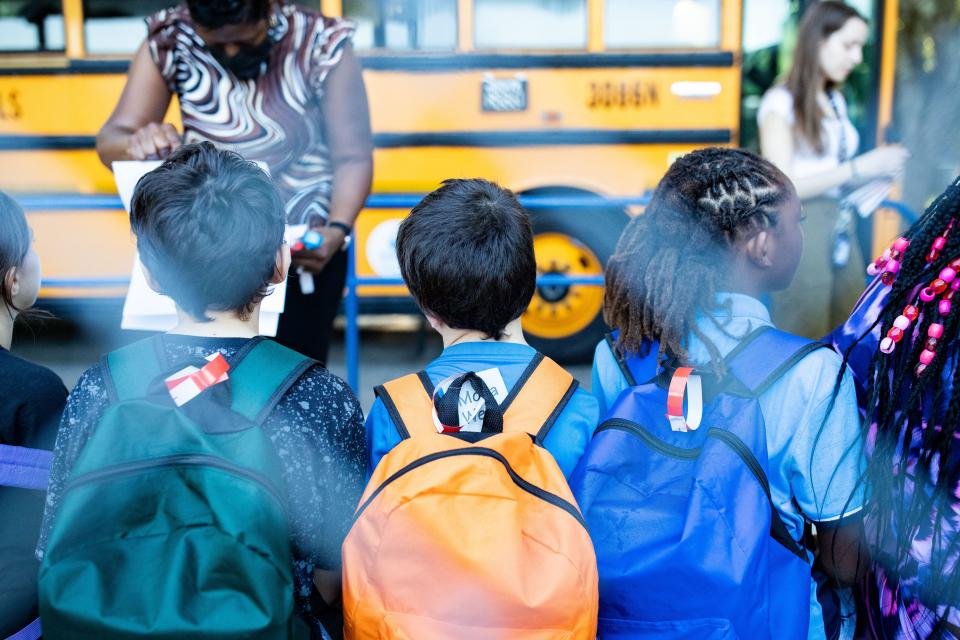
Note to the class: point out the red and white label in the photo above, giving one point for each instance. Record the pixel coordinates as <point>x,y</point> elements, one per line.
<point>685,383</point>
<point>189,382</point>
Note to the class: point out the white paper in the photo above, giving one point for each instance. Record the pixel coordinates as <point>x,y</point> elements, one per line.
<point>127,173</point>
<point>146,310</point>
<point>470,405</point>
<point>867,198</point>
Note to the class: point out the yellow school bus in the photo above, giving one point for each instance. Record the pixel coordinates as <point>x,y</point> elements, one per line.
<point>553,98</point>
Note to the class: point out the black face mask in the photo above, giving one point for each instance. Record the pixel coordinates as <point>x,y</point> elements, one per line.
<point>248,63</point>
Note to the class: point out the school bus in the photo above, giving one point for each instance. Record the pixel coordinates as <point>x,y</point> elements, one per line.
<point>554,98</point>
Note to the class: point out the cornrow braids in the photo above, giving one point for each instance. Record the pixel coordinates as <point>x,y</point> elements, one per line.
<point>670,262</point>
<point>912,409</point>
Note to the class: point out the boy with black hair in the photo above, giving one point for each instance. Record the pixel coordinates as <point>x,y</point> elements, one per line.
<point>466,254</point>
<point>210,231</point>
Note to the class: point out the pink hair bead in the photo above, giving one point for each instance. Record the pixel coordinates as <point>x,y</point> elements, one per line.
<point>902,322</point>
<point>887,345</point>
<point>939,243</point>
<point>927,294</point>
<point>944,307</point>
<point>872,269</point>
<point>935,331</point>
<point>901,244</point>
<point>926,356</point>
<point>955,285</point>
<point>948,274</point>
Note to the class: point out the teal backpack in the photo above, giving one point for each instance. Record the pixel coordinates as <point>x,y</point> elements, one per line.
<point>173,521</point>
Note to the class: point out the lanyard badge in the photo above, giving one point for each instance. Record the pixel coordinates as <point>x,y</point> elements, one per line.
<point>685,382</point>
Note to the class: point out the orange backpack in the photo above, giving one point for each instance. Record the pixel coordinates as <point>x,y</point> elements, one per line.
<point>471,535</point>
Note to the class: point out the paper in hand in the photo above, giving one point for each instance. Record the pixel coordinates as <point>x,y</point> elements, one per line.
<point>867,198</point>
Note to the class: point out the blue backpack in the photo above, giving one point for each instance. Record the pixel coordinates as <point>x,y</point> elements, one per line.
<point>688,542</point>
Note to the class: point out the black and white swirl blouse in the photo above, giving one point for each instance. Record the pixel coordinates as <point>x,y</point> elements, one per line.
<point>275,118</point>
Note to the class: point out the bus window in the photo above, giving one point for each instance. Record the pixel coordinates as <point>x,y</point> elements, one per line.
<point>405,25</point>
<point>530,24</point>
<point>116,26</point>
<point>634,24</point>
<point>31,25</point>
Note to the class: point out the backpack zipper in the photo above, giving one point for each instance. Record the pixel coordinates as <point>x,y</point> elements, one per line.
<point>649,439</point>
<point>735,443</point>
<point>744,453</point>
<point>178,460</point>
<point>778,530</point>
<point>532,489</point>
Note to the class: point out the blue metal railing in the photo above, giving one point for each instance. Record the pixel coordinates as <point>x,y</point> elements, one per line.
<point>351,298</point>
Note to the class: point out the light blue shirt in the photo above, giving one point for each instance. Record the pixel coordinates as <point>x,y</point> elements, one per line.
<point>815,453</point>
<point>566,440</point>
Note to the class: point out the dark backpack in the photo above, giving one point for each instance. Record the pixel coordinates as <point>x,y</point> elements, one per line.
<point>688,541</point>
<point>173,521</point>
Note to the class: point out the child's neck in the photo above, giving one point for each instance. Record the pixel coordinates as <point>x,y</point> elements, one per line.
<point>222,324</point>
<point>7,317</point>
<point>512,333</point>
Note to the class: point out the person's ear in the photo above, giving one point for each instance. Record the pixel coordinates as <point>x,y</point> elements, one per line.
<point>11,281</point>
<point>759,249</point>
<point>151,281</point>
<point>282,264</point>
<point>435,322</point>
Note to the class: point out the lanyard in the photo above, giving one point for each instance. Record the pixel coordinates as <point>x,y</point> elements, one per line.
<point>843,147</point>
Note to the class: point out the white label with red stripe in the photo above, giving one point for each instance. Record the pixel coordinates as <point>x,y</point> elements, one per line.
<point>189,382</point>
<point>685,383</point>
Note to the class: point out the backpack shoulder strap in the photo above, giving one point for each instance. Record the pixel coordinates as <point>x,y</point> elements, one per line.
<point>128,371</point>
<point>611,339</point>
<point>538,398</point>
<point>766,354</point>
<point>261,373</point>
<point>409,401</point>
<point>636,368</point>
<point>24,468</point>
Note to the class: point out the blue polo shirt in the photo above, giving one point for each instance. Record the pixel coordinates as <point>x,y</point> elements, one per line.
<point>566,440</point>
<point>814,450</point>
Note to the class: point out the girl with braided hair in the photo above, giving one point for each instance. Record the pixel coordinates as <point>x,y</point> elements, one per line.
<point>722,230</point>
<point>902,346</point>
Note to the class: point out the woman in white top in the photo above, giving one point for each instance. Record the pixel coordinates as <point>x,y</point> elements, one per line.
<point>806,131</point>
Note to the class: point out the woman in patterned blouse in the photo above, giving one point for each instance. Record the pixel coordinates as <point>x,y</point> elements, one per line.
<point>274,82</point>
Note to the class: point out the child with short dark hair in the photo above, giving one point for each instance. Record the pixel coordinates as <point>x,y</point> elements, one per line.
<point>210,231</point>
<point>466,253</point>
<point>722,230</point>
<point>31,401</point>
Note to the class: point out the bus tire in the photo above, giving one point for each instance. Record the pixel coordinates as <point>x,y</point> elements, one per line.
<point>566,323</point>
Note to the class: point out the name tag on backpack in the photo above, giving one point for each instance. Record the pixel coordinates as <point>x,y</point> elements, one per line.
<point>471,407</point>
<point>189,382</point>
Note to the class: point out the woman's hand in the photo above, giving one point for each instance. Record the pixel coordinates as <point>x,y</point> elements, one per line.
<point>133,131</point>
<point>153,142</point>
<point>882,162</point>
<point>314,260</point>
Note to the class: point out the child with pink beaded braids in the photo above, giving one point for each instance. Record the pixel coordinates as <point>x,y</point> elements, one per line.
<point>901,343</point>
